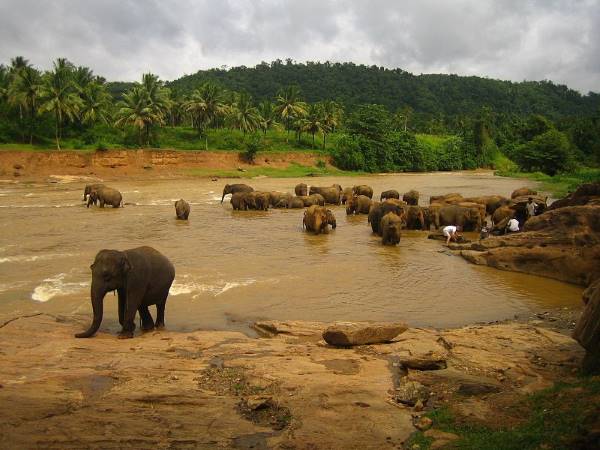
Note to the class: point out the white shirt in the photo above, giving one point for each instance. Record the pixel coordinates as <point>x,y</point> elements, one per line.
<point>450,229</point>
<point>513,225</point>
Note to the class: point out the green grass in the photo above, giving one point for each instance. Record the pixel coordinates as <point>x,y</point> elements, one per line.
<point>294,170</point>
<point>557,418</point>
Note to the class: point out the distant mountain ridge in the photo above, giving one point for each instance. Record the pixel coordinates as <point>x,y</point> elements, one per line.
<point>352,84</point>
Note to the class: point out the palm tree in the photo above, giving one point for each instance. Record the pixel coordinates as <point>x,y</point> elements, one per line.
<point>289,107</point>
<point>17,64</point>
<point>243,115</point>
<point>96,103</point>
<point>205,106</point>
<point>312,123</point>
<point>3,82</point>
<point>136,109</point>
<point>25,91</point>
<point>59,95</point>
<point>266,112</point>
<point>331,118</point>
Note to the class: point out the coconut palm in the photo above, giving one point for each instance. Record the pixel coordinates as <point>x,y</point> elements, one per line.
<point>331,118</point>
<point>313,121</point>
<point>3,83</point>
<point>205,106</point>
<point>96,103</point>
<point>289,107</point>
<point>25,91</point>
<point>137,110</point>
<point>243,115</point>
<point>59,96</point>
<point>17,64</point>
<point>158,95</point>
<point>266,112</point>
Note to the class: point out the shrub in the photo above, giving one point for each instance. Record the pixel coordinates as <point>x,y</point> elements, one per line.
<point>548,152</point>
<point>252,145</point>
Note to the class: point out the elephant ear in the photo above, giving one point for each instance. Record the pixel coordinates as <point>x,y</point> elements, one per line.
<point>126,264</point>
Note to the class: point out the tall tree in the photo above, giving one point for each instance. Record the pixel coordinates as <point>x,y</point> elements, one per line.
<point>243,115</point>
<point>266,110</point>
<point>96,103</point>
<point>205,106</point>
<point>289,106</point>
<point>331,118</point>
<point>136,110</point>
<point>25,91</point>
<point>59,96</point>
<point>313,121</point>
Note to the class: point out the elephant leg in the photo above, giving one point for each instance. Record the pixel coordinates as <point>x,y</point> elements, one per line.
<point>121,294</point>
<point>129,319</point>
<point>160,314</point>
<point>147,322</point>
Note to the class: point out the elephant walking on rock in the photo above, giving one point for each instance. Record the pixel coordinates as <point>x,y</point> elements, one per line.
<point>141,276</point>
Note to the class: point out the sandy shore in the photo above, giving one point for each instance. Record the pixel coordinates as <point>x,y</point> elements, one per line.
<point>288,390</point>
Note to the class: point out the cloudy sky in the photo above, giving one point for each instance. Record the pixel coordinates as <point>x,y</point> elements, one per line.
<point>518,40</point>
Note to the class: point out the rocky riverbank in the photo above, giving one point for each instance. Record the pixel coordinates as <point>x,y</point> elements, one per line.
<point>287,389</point>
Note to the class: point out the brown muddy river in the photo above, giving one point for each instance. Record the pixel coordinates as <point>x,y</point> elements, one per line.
<point>233,267</point>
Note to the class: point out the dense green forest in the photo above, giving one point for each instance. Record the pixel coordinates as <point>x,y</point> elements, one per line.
<point>368,118</point>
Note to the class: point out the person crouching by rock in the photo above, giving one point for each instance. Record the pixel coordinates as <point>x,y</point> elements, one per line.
<point>531,207</point>
<point>451,233</point>
<point>484,233</point>
<point>512,226</point>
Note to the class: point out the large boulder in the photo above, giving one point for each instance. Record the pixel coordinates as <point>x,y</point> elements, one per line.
<point>587,330</point>
<point>344,334</point>
<point>588,193</point>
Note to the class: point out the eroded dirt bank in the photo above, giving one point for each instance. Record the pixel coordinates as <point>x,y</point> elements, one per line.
<point>289,390</point>
<point>140,163</point>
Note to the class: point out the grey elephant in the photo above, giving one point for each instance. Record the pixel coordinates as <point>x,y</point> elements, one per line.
<point>105,196</point>
<point>295,203</point>
<point>358,204</point>
<point>141,276</point>
<point>332,194</point>
<point>233,188</point>
<point>467,218</point>
<point>275,197</point>
<point>257,200</point>
<point>313,199</point>
<point>182,209</point>
<point>411,197</point>
<point>88,189</point>
<point>238,201</point>
<point>390,226</point>
<point>363,189</point>
<point>317,219</point>
<point>378,210</point>
<point>415,219</point>
<point>301,189</point>
<point>391,193</point>
<point>346,194</point>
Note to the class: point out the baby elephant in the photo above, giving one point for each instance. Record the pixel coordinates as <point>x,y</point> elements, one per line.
<point>182,209</point>
<point>390,229</point>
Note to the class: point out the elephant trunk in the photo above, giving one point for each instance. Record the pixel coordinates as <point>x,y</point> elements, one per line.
<point>97,295</point>
<point>224,194</point>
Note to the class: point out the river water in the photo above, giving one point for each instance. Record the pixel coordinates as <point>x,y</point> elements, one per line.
<point>236,266</point>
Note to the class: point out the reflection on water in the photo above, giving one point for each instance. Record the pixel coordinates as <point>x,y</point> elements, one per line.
<point>237,264</point>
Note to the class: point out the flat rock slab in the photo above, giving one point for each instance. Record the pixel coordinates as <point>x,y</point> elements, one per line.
<point>345,334</point>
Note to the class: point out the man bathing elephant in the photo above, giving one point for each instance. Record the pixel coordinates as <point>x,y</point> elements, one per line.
<point>141,276</point>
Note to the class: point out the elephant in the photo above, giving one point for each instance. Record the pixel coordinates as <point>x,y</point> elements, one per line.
<point>89,188</point>
<point>257,200</point>
<point>390,226</point>
<point>467,218</point>
<point>316,219</point>
<point>105,196</point>
<point>313,199</point>
<point>522,192</point>
<point>301,189</point>
<point>330,194</point>
<point>141,276</point>
<point>346,194</point>
<point>427,217</point>
<point>502,213</point>
<point>238,201</point>
<point>275,197</point>
<point>491,202</point>
<point>358,204</point>
<point>295,203</point>
<point>233,188</point>
<point>378,210</point>
<point>411,197</point>
<point>331,218</point>
<point>479,206</point>
<point>363,189</point>
<point>182,209</point>
<point>446,198</point>
<point>415,220</point>
<point>389,194</point>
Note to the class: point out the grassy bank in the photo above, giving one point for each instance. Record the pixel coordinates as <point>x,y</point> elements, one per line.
<point>559,418</point>
<point>294,170</point>
<point>558,185</point>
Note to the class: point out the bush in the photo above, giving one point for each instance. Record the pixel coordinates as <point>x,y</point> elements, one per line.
<point>549,153</point>
<point>252,145</point>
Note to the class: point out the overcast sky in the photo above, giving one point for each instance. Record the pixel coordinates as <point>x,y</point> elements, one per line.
<point>518,40</point>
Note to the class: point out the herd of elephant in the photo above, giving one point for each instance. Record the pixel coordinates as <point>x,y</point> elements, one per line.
<point>143,276</point>
<point>390,214</point>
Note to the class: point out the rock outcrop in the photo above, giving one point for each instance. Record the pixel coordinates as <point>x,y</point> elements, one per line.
<point>345,334</point>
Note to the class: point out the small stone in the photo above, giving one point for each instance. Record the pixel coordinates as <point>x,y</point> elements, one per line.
<point>424,424</point>
<point>344,334</point>
<point>429,361</point>
<point>259,402</point>
<point>410,392</point>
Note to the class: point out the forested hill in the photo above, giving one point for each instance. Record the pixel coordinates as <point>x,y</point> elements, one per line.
<point>352,84</point>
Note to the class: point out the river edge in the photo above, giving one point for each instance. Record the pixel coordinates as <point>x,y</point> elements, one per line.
<point>220,389</point>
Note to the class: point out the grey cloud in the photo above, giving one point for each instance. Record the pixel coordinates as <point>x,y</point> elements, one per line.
<point>511,39</point>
